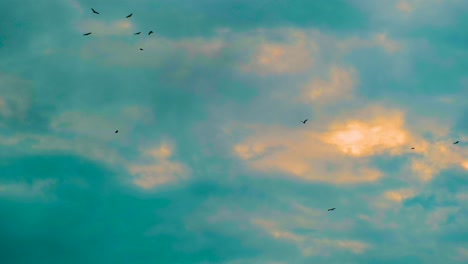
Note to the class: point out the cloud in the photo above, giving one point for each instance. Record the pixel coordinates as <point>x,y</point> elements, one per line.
<point>309,245</point>
<point>263,52</point>
<point>462,254</point>
<point>273,58</point>
<point>399,195</point>
<point>122,27</point>
<point>101,124</point>
<point>437,156</point>
<point>405,7</point>
<point>391,199</point>
<point>15,97</point>
<point>156,168</point>
<point>160,169</point>
<point>36,189</point>
<point>382,40</point>
<point>76,5</point>
<point>439,216</point>
<point>338,87</point>
<point>384,132</point>
<point>335,156</point>
<point>388,44</point>
<point>157,51</point>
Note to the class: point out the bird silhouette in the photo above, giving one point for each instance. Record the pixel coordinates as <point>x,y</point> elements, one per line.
<point>94,11</point>
<point>138,33</point>
<point>87,34</point>
<point>116,131</point>
<point>149,33</point>
<point>304,121</point>
<point>456,142</point>
<point>331,209</point>
<point>412,148</point>
<point>129,16</point>
<point>141,49</point>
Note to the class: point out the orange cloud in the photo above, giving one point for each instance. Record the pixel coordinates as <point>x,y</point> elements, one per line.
<point>438,156</point>
<point>366,138</point>
<point>336,156</point>
<point>399,195</point>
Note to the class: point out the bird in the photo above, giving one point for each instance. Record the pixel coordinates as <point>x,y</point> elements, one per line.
<point>149,33</point>
<point>304,121</point>
<point>331,209</point>
<point>456,142</point>
<point>141,49</point>
<point>129,16</point>
<point>138,33</point>
<point>87,34</point>
<point>116,131</point>
<point>412,148</point>
<point>94,11</point>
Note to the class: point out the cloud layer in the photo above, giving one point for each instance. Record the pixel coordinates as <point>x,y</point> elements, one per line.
<point>212,163</point>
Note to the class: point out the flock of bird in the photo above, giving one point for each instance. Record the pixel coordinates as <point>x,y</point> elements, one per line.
<point>129,16</point>
<point>151,32</point>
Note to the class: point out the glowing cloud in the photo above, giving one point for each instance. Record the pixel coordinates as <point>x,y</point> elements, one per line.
<point>336,156</point>
<point>359,138</point>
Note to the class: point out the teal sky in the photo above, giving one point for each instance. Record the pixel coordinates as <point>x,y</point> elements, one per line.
<point>211,164</point>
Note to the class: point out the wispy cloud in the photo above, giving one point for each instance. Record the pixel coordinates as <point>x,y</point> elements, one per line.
<point>37,189</point>
<point>405,7</point>
<point>160,170</point>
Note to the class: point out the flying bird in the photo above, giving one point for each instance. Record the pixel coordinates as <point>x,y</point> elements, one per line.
<point>331,209</point>
<point>138,33</point>
<point>149,33</point>
<point>456,142</point>
<point>141,49</point>
<point>412,148</point>
<point>116,131</point>
<point>87,34</point>
<point>129,16</point>
<point>304,121</point>
<point>94,11</point>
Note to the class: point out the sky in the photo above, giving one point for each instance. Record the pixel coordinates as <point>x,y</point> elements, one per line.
<point>212,164</point>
